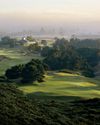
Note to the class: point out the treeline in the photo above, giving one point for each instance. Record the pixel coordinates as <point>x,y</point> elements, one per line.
<point>85,43</point>
<point>65,56</point>
<point>8,42</point>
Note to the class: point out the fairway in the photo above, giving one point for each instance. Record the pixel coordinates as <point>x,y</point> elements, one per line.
<point>15,57</point>
<point>63,85</point>
<point>56,85</point>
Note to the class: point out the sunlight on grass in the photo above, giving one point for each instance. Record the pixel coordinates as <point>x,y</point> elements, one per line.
<point>64,85</point>
<point>15,57</point>
<point>56,83</point>
<point>86,84</point>
<point>65,74</point>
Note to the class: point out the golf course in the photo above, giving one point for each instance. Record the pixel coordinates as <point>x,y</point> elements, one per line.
<point>57,85</point>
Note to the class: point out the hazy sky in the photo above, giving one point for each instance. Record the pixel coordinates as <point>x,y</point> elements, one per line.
<point>71,14</point>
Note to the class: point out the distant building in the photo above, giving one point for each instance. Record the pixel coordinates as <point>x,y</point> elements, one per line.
<point>44,42</point>
<point>23,41</point>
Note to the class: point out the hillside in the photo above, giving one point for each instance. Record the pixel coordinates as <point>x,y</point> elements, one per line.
<point>16,109</point>
<point>63,86</point>
<point>62,99</point>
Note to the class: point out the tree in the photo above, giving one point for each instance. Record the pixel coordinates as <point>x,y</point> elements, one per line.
<point>14,72</point>
<point>30,38</point>
<point>85,43</point>
<point>46,51</point>
<point>88,73</point>
<point>61,44</point>
<point>7,41</point>
<point>62,56</point>
<point>30,72</point>
<point>90,54</point>
<point>44,42</point>
<point>33,71</point>
<point>65,56</point>
<point>34,48</point>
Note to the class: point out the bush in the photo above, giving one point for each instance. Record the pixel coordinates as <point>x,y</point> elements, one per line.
<point>88,73</point>
<point>14,72</point>
<point>30,72</point>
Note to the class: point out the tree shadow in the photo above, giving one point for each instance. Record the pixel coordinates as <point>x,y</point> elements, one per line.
<point>44,96</point>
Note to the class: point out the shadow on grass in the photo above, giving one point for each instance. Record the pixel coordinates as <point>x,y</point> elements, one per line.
<point>67,78</point>
<point>75,79</point>
<point>43,96</point>
<point>81,88</point>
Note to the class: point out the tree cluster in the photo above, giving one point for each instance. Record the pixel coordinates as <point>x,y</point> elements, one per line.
<point>30,39</point>
<point>85,43</point>
<point>32,48</point>
<point>7,41</point>
<point>30,72</point>
<point>64,56</point>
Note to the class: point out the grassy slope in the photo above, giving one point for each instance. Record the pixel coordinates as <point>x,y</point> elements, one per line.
<point>56,84</point>
<point>61,85</point>
<point>16,109</point>
<point>15,57</point>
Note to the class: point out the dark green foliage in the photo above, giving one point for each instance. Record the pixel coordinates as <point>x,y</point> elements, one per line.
<point>88,73</point>
<point>85,43</point>
<point>88,49</point>
<point>30,72</point>
<point>60,56</point>
<point>34,48</point>
<point>15,72</point>
<point>7,41</point>
<point>33,71</point>
<point>64,56</point>
<point>46,51</point>
<point>61,44</point>
<point>16,109</point>
<point>90,54</point>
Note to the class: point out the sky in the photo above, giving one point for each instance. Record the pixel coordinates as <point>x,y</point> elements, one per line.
<point>82,15</point>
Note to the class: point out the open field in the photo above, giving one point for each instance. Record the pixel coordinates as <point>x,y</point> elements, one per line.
<point>63,86</point>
